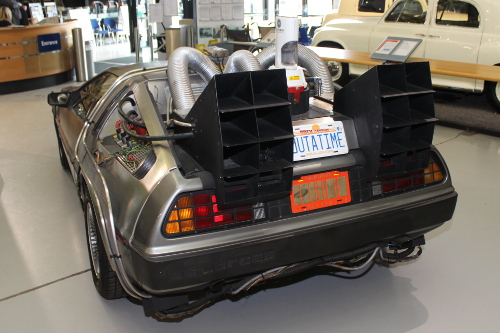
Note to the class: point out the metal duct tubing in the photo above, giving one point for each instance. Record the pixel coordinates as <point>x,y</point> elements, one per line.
<point>179,62</point>
<point>307,59</point>
<point>266,56</point>
<point>242,61</point>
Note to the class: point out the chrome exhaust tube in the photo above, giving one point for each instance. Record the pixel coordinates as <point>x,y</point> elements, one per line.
<point>242,61</point>
<point>179,63</point>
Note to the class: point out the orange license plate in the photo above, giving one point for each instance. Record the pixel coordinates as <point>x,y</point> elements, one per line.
<point>320,190</point>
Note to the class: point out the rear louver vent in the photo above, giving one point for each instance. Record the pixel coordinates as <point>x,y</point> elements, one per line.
<point>393,111</point>
<point>243,135</point>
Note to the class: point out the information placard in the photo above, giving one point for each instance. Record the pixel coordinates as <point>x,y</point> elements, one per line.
<point>396,49</point>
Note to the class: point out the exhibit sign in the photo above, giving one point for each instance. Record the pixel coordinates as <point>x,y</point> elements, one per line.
<point>396,49</point>
<point>323,138</point>
<point>49,42</point>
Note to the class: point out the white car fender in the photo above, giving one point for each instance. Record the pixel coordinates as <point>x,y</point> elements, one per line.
<point>342,31</point>
<point>489,50</point>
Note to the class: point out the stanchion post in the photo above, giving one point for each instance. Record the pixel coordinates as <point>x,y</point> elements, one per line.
<point>150,41</point>
<point>137,41</point>
<point>89,54</point>
<point>80,58</point>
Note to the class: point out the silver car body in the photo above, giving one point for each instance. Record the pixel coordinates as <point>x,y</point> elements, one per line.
<point>131,210</point>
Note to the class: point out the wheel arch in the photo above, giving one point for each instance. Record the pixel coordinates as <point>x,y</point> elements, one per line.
<point>329,43</point>
<point>87,192</point>
<point>492,91</point>
<point>115,261</point>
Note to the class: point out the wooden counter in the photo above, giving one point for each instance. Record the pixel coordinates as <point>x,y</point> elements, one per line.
<point>452,68</point>
<point>24,67</point>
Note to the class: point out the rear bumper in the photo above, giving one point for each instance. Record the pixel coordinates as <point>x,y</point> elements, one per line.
<point>200,266</point>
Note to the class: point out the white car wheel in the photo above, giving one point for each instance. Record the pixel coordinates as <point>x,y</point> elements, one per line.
<point>492,90</point>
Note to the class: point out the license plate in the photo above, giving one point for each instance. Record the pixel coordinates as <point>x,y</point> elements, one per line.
<point>320,190</point>
<point>321,139</point>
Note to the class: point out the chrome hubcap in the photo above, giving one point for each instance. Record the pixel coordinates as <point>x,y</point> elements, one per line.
<point>92,238</point>
<point>497,91</point>
<point>335,69</point>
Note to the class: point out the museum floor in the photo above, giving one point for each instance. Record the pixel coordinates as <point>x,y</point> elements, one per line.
<point>46,285</point>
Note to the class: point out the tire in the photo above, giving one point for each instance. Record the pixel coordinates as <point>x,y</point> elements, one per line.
<point>492,90</point>
<point>62,153</point>
<point>105,280</point>
<point>338,70</point>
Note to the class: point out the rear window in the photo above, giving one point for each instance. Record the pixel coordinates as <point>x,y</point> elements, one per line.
<point>372,6</point>
<point>457,13</point>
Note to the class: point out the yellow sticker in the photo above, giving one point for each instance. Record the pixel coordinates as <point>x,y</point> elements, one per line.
<point>294,78</point>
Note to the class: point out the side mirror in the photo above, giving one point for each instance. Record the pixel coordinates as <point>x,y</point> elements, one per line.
<point>58,99</point>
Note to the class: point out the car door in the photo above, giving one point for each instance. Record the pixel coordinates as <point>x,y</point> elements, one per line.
<point>407,18</point>
<point>454,34</point>
<point>72,119</point>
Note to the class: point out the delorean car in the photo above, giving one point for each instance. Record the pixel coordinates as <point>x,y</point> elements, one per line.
<point>199,183</point>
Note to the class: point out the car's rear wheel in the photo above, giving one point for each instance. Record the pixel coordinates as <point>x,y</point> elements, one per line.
<point>338,70</point>
<point>492,90</point>
<point>105,280</point>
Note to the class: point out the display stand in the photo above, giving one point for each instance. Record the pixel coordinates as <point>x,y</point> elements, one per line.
<point>396,49</point>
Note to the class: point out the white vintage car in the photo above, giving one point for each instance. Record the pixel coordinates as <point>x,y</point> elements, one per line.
<point>455,30</point>
<point>358,8</point>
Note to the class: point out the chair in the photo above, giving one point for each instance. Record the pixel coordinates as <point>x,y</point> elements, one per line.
<point>239,36</point>
<point>112,6</point>
<point>98,32</point>
<point>110,25</point>
<point>303,37</point>
<point>97,7</point>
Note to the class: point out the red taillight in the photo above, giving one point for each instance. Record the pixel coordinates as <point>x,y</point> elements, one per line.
<point>223,219</point>
<point>432,174</point>
<point>200,211</point>
<point>404,183</point>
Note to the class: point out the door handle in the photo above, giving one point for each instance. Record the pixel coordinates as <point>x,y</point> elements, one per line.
<point>434,36</point>
<point>423,35</point>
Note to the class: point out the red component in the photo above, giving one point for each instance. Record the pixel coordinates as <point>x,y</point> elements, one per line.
<point>204,223</point>
<point>244,216</point>
<point>296,93</point>
<point>202,199</point>
<point>132,158</point>
<point>418,180</point>
<point>140,130</point>
<point>202,211</point>
<point>118,124</point>
<point>223,219</point>
<point>404,183</point>
<point>389,187</point>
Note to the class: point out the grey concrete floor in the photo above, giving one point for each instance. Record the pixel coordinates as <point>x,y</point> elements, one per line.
<point>46,285</point>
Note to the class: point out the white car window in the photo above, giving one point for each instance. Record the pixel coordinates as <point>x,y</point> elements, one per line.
<point>408,11</point>
<point>457,13</point>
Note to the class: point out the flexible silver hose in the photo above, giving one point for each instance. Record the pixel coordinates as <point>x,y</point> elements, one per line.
<point>242,61</point>
<point>266,56</point>
<point>179,62</point>
<point>307,59</point>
